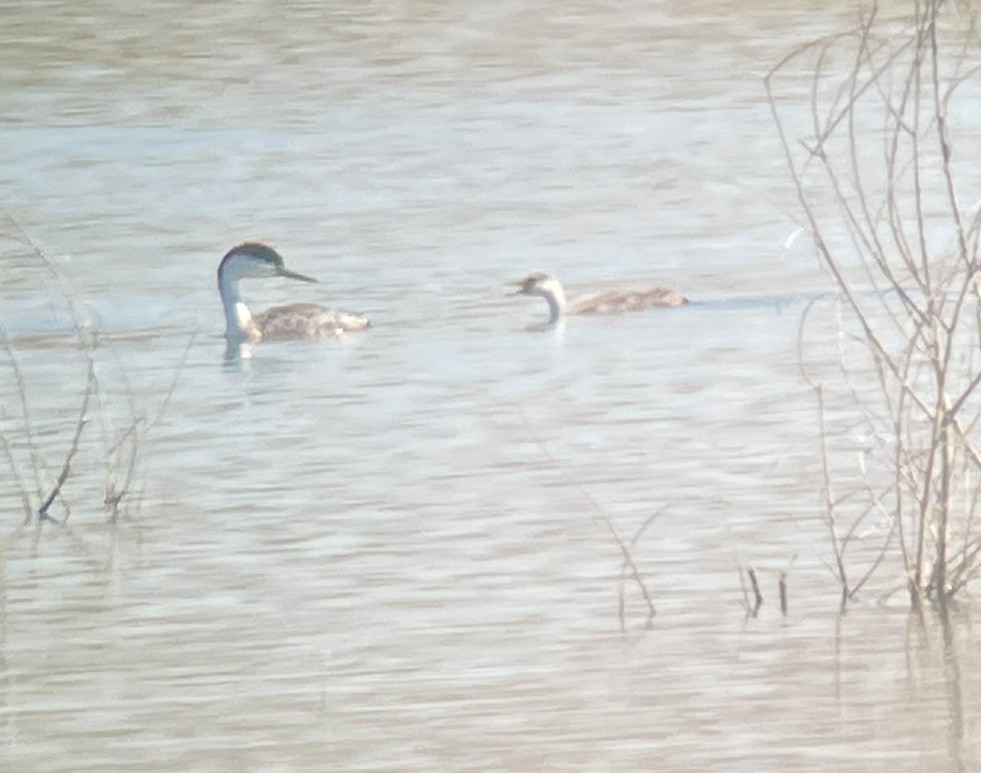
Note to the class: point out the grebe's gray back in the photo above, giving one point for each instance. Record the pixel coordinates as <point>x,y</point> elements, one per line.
<point>278,323</point>
<point>610,302</point>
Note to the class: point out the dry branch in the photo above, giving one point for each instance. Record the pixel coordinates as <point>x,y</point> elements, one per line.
<point>914,308</point>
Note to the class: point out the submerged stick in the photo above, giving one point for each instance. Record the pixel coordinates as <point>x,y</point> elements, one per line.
<point>83,419</point>
<point>602,516</point>
<point>782,585</point>
<point>756,592</point>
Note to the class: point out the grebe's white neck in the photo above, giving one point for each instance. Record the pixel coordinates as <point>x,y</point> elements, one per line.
<point>239,325</point>
<point>556,303</point>
<point>552,292</point>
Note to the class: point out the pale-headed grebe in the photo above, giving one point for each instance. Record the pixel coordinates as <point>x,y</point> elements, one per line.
<point>609,302</point>
<point>278,323</point>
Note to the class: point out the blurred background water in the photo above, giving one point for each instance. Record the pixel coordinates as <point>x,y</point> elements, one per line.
<point>393,553</point>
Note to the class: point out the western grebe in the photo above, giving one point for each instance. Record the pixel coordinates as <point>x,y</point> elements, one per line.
<point>279,323</point>
<point>609,302</point>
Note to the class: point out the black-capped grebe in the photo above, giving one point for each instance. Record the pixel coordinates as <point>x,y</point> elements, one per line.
<point>278,323</point>
<point>609,302</point>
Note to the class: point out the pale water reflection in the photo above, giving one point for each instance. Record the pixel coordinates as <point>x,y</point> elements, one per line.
<point>381,554</point>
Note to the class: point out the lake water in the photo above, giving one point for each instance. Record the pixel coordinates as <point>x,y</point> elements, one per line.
<point>396,552</point>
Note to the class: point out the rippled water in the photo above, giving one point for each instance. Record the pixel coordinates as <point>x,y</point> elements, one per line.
<point>395,553</point>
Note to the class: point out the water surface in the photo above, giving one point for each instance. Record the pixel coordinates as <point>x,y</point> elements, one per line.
<point>395,553</point>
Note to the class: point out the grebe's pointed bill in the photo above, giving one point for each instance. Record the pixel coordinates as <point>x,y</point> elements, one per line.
<point>283,271</point>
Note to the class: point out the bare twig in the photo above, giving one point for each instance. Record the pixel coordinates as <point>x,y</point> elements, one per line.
<point>36,461</point>
<point>67,464</point>
<point>599,515</point>
<point>921,468</point>
<point>757,595</point>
